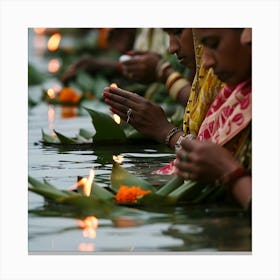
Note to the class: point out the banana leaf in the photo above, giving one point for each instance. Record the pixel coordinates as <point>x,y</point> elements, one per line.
<point>48,191</point>
<point>66,140</point>
<point>86,206</point>
<point>49,139</point>
<point>86,133</point>
<point>106,128</point>
<point>121,176</point>
<point>99,192</point>
<point>99,203</point>
<point>170,186</point>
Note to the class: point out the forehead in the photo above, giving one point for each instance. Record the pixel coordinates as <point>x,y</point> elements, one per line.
<point>216,32</point>
<point>209,32</point>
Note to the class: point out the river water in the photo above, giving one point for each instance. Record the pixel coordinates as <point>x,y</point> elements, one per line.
<point>202,228</point>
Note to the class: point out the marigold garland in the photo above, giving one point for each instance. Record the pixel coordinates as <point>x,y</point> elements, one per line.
<point>130,194</point>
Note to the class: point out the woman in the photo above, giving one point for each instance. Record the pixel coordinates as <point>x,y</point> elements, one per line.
<point>228,120</point>
<point>141,113</point>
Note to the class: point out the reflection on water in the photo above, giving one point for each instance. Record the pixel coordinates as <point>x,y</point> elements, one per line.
<point>208,228</point>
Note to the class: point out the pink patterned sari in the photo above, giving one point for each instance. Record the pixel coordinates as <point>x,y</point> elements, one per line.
<point>227,117</point>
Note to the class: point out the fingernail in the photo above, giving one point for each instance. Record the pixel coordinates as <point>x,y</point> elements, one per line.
<point>105,94</point>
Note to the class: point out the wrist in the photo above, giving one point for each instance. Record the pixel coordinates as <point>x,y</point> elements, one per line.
<point>171,133</point>
<point>228,179</point>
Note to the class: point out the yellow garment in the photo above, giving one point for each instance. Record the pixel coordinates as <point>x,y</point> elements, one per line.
<point>205,87</point>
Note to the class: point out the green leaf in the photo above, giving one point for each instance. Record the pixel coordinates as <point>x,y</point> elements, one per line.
<point>49,139</point>
<point>121,176</point>
<point>188,191</point>
<point>66,140</point>
<point>107,130</point>
<point>46,190</point>
<point>154,200</point>
<point>99,192</point>
<point>171,185</point>
<point>86,133</point>
<point>99,208</point>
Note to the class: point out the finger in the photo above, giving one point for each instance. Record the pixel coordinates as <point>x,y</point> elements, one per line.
<point>182,155</point>
<point>188,145</point>
<point>182,174</point>
<point>127,95</point>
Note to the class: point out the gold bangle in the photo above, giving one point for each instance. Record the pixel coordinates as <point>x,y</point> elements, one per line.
<point>177,87</point>
<point>172,78</point>
<point>161,67</point>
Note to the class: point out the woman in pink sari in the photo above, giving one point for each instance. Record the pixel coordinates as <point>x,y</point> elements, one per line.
<point>222,149</point>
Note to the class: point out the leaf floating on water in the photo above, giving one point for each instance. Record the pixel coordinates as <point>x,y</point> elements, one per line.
<point>106,128</point>
<point>50,139</point>
<point>121,176</point>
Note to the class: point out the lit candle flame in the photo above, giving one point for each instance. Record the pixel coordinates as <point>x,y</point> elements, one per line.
<point>54,42</point>
<point>117,118</point>
<point>118,159</point>
<point>114,85</point>
<point>51,93</point>
<point>86,183</point>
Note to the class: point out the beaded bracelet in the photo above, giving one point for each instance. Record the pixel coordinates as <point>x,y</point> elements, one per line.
<point>229,178</point>
<point>171,132</point>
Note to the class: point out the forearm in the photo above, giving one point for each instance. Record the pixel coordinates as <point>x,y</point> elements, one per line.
<point>241,190</point>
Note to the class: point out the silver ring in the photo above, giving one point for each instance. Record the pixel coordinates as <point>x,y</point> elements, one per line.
<point>129,111</point>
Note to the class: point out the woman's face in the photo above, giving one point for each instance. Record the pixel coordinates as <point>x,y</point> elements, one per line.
<point>181,44</point>
<point>223,51</point>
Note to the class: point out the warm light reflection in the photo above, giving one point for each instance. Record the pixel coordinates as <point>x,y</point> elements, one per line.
<point>54,42</point>
<point>89,224</point>
<point>118,159</point>
<point>86,247</point>
<point>57,88</point>
<point>51,115</point>
<point>39,31</point>
<point>68,112</point>
<point>86,183</point>
<point>117,118</point>
<point>125,222</point>
<point>53,65</point>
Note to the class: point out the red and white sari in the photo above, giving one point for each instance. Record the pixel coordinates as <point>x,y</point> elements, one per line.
<point>229,114</point>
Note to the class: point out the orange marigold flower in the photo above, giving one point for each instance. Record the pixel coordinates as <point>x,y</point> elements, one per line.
<point>69,95</point>
<point>130,194</point>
